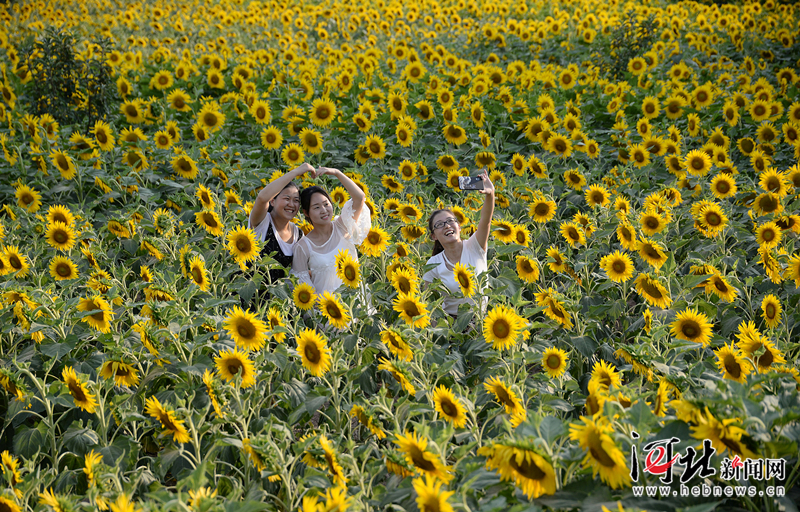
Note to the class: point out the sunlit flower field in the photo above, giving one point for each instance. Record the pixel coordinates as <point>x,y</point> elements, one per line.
<point>643,263</point>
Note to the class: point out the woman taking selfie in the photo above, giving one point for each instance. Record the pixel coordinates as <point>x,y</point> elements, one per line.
<point>271,218</point>
<point>449,249</point>
<point>315,255</point>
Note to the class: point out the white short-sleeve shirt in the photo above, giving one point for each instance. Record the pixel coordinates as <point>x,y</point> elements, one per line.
<point>472,255</point>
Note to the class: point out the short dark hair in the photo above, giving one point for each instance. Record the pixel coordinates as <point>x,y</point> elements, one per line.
<point>307,193</point>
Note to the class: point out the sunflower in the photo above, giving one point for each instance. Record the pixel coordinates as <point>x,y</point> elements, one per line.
<point>574,179</point>
<point>697,162</point>
<point>247,331</point>
<point>717,285</point>
<point>375,243</point>
<point>242,245</point>
<point>724,435</point>
<point>413,311</point>
<point>504,230</point>
<point>771,311</point>
<point>651,252</point>
<point>362,122</point>
<point>134,111</point>
<point>292,155</point>
<point>597,195</point>
<point>63,162</point>
<point>122,373</point>
<point>505,396</point>
<point>209,220</point>
<point>554,362</point>
<point>572,233</point>
<point>311,140</point>
<point>398,373</point>
<point>430,496</point>
<point>333,310</point>
<point>168,420</point>
<point>409,213</point>
<point>559,145</point>
<point>502,327</point>
<point>348,269</point>
<point>752,342</point>
<point>396,344</point>
<point>733,363</point>
<point>198,273</point>
<point>314,352</point>
<point>521,235</point>
<point>405,280</point>
<point>304,296</point>
<point>767,203</point>
<point>416,455</point>
<point>618,265</point>
<point>61,236</point>
<point>768,235</point>
<point>28,198</point>
<point>79,391</point>
<point>652,222</point>
<point>63,268</point>
<point>602,453</point>
<point>179,100</point>
<point>521,464</point>
<point>231,363</point>
<point>692,326</point>
<point>447,163</point>
<point>162,139</point>
<point>527,269</point>
<point>185,167</point>
<point>375,146</point>
<point>98,313</point>
<point>712,219</point>
<point>653,291</point>
<point>559,263</point>
<point>449,407</point>
<point>627,236</point>
<point>323,112</point>
<point>271,137</point>
<point>465,279</point>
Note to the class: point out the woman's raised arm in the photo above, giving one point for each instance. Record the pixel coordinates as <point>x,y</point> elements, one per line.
<point>356,194</point>
<point>482,233</point>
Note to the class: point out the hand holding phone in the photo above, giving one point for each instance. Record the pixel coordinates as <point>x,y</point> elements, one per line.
<point>470,182</point>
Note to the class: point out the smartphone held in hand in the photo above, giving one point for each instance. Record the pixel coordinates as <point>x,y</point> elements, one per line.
<point>470,182</point>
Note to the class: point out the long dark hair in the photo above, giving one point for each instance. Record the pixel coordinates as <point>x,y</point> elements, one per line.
<point>290,184</point>
<point>437,245</point>
<point>305,198</point>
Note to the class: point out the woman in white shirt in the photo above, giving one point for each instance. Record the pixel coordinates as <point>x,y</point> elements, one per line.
<point>315,254</point>
<point>271,218</point>
<point>449,249</point>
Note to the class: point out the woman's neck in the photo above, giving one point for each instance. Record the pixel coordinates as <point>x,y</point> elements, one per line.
<point>453,250</point>
<point>323,231</point>
<point>281,226</point>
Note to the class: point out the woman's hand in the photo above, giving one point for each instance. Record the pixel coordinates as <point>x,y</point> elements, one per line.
<point>321,171</point>
<point>488,186</point>
<point>304,168</point>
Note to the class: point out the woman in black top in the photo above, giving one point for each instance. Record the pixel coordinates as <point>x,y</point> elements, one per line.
<point>271,219</point>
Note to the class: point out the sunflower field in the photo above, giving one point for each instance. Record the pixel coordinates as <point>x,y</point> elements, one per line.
<point>639,324</point>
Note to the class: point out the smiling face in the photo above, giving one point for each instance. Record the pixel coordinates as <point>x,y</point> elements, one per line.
<point>286,204</point>
<point>445,227</point>
<point>320,210</point>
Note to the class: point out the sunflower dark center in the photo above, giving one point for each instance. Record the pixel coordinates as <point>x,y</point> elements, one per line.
<point>501,329</point>
<point>553,361</point>
<point>312,353</point>
<point>243,245</point>
<point>690,329</point>
<point>246,330</point>
<point>733,368</point>
<point>598,453</point>
<point>63,270</point>
<point>448,408</point>
<point>527,468</point>
<point>334,311</point>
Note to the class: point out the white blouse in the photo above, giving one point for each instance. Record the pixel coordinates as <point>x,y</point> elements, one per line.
<point>472,255</point>
<point>316,264</point>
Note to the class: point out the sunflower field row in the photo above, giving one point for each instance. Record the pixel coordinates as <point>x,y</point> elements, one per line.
<point>643,262</point>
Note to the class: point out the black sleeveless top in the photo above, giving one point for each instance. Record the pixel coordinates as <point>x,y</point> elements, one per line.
<point>271,245</point>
